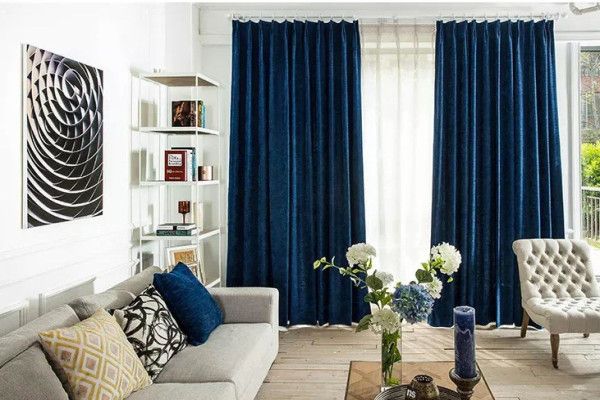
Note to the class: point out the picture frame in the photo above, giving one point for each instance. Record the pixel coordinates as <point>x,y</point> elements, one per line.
<point>188,255</point>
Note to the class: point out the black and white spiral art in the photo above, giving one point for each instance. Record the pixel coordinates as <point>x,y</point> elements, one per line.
<point>63,138</point>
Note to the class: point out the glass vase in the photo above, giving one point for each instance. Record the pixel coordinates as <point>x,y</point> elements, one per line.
<point>391,359</point>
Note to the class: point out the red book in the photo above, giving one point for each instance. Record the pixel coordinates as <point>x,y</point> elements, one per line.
<point>175,165</point>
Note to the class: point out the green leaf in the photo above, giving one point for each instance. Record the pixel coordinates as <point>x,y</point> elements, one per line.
<point>450,280</point>
<point>317,264</point>
<point>364,322</point>
<point>374,282</point>
<point>423,276</point>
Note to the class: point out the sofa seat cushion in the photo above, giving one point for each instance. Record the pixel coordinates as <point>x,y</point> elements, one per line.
<point>17,376</point>
<point>566,315</point>
<point>186,391</point>
<point>233,353</point>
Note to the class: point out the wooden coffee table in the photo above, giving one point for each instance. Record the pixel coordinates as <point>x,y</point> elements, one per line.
<point>364,378</point>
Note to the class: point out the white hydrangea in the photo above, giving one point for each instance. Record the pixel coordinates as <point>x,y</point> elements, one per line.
<point>385,320</point>
<point>360,253</point>
<point>385,277</point>
<point>434,287</point>
<point>450,256</point>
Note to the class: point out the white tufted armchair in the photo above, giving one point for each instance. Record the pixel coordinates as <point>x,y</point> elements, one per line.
<point>558,288</point>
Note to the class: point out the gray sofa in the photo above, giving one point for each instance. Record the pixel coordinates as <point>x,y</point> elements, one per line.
<point>231,365</point>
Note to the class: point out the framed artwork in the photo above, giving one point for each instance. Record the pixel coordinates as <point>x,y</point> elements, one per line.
<point>189,256</point>
<point>62,138</point>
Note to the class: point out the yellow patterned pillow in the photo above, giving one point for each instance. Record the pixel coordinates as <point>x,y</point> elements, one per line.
<point>97,358</point>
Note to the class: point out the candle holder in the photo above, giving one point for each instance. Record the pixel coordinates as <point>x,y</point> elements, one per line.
<point>464,386</point>
<point>183,207</point>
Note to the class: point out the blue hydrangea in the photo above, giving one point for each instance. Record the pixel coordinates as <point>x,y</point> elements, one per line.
<point>412,302</point>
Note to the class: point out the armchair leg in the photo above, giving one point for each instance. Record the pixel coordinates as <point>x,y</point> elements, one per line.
<point>554,342</point>
<point>586,335</point>
<point>524,324</point>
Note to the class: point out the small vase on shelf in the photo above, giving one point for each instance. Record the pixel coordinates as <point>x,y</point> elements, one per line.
<point>391,359</point>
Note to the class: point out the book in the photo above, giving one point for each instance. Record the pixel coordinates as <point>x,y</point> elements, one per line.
<point>176,232</point>
<point>192,173</point>
<point>188,113</point>
<point>176,226</point>
<point>176,165</point>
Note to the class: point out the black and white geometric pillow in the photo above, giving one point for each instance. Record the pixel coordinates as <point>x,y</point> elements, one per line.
<point>151,329</point>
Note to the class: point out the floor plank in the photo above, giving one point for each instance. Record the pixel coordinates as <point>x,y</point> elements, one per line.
<point>313,363</point>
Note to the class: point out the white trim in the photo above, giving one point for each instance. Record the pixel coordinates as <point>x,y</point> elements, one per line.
<point>43,297</point>
<point>574,144</point>
<point>20,307</point>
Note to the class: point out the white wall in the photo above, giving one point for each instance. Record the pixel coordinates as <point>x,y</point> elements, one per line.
<point>119,39</point>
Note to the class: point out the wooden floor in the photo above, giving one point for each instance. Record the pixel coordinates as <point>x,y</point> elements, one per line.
<point>313,362</point>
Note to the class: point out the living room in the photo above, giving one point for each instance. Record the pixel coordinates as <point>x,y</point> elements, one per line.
<point>319,200</point>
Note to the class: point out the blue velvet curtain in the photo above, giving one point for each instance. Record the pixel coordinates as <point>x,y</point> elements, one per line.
<point>497,170</point>
<point>296,176</point>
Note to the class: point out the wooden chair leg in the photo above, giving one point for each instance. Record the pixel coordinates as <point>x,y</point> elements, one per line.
<point>554,342</point>
<point>524,324</point>
<point>586,335</point>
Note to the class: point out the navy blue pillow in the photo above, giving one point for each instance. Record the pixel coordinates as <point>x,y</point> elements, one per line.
<point>196,312</point>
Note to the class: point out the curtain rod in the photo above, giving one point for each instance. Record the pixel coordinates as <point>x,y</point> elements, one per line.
<point>269,16</point>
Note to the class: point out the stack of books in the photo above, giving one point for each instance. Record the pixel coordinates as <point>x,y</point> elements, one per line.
<point>176,229</point>
<point>180,164</point>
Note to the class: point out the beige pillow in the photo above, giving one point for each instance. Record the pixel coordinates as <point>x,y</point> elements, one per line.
<point>97,358</point>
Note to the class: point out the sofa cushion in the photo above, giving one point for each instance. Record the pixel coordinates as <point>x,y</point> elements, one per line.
<point>17,376</point>
<point>21,339</point>
<point>235,353</point>
<point>186,391</point>
<point>139,282</point>
<point>197,313</point>
<point>99,361</point>
<point>151,329</point>
<point>86,306</point>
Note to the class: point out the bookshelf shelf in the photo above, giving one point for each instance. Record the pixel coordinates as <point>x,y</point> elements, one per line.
<point>181,80</point>
<point>205,234</point>
<point>178,130</point>
<point>179,183</point>
<point>155,143</point>
<point>214,283</point>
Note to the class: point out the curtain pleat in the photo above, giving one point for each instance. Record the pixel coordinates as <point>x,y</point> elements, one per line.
<point>295,172</point>
<point>497,168</point>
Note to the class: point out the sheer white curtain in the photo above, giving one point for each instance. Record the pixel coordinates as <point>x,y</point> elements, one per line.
<point>397,111</point>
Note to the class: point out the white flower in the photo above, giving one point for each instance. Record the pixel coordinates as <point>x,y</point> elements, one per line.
<point>449,255</point>
<point>434,287</point>
<point>385,320</point>
<point>385,277</point>
<point>360,253</point>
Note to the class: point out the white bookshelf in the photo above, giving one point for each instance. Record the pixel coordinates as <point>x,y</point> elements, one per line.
<point>157,198</point>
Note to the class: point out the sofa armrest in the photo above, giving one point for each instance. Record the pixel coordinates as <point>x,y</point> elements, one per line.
<point>248,304</point>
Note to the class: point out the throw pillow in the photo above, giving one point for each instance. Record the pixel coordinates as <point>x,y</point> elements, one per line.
<point>99,362</point>
<point>197,313</point>
<point>151,329</point>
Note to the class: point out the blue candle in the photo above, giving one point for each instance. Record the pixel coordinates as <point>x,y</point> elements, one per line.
<point>464,342</point>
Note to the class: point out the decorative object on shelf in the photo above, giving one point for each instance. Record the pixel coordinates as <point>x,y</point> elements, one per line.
<point>189,256</point>
<point>205,172</point>
<point>176,165</point>
<point>465,364</point>
<point>187,113</point>
<point>412,302</point>
<point>62,138</point>
<point>422,387</point>
<point>464,386</point>
<point>198,214</point>
<point>403,392</point>
<point>183,207</point>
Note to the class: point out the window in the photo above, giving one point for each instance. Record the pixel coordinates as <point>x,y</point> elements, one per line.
<point>589,106</point>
